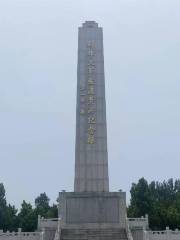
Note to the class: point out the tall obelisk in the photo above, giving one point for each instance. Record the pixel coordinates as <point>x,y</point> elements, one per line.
<point>91,158</point>
<point>91,205</point>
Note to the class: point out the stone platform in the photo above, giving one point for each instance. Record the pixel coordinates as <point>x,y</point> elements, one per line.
<point>92,208</point>
<point>93,234</point>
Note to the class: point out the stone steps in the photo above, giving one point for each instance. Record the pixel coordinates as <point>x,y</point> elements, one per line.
<point>93,234</point>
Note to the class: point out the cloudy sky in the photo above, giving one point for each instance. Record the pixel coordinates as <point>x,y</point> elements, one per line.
<point>38,62</point>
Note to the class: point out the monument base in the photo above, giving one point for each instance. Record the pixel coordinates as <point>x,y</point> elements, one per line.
<point>92,209</point>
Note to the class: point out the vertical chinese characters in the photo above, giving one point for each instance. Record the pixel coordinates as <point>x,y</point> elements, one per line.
<point>88,95</point>
<point>82,101</point>
<point>91,96</point>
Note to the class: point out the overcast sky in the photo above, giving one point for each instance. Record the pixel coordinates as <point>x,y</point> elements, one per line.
<point>38,62</point>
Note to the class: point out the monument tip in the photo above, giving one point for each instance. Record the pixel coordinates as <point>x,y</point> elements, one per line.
<point>90,24</point>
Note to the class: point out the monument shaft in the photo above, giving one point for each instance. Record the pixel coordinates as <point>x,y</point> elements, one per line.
<point>91,159</point>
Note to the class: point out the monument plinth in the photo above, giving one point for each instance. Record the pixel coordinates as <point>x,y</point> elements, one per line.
<point>91,205</point>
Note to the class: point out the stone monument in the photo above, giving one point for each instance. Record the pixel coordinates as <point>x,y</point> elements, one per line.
<point>91,163</point>
<point>91,205</point>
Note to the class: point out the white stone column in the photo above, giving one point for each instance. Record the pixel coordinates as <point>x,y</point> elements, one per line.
<point>168,233</point>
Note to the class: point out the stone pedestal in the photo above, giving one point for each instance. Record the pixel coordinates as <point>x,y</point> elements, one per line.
<point>91,209</point>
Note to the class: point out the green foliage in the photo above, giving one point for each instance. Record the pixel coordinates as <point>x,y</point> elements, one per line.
<point>52,212</point>
<point>42,201</point>
<point>161,201</point>
<point>43,208</point>
<point>2,206</point>
<point>11,220</point>
<point>27,217</point>
<point>42,205</point>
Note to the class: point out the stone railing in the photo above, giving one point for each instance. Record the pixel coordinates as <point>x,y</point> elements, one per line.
<point>145,235</point>
<point>162,235</point>
<point>139,222</point>
<point>128,231</point>
<point>47,223</point>
<point>58,231</point>
<point>20,235</point>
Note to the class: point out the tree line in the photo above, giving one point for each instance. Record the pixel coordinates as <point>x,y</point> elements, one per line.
<point>160,200</point>
<point>27,217</point>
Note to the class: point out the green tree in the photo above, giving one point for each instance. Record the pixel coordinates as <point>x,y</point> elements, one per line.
<point>42,201</point>
<point>27,218</point>
<point>2,206</point>
<point>42,205</point>
<point>161,201</point>
<point>11,219</point>
<point>52,212</point>
<point>43,208</point>
<point>140,203</point>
